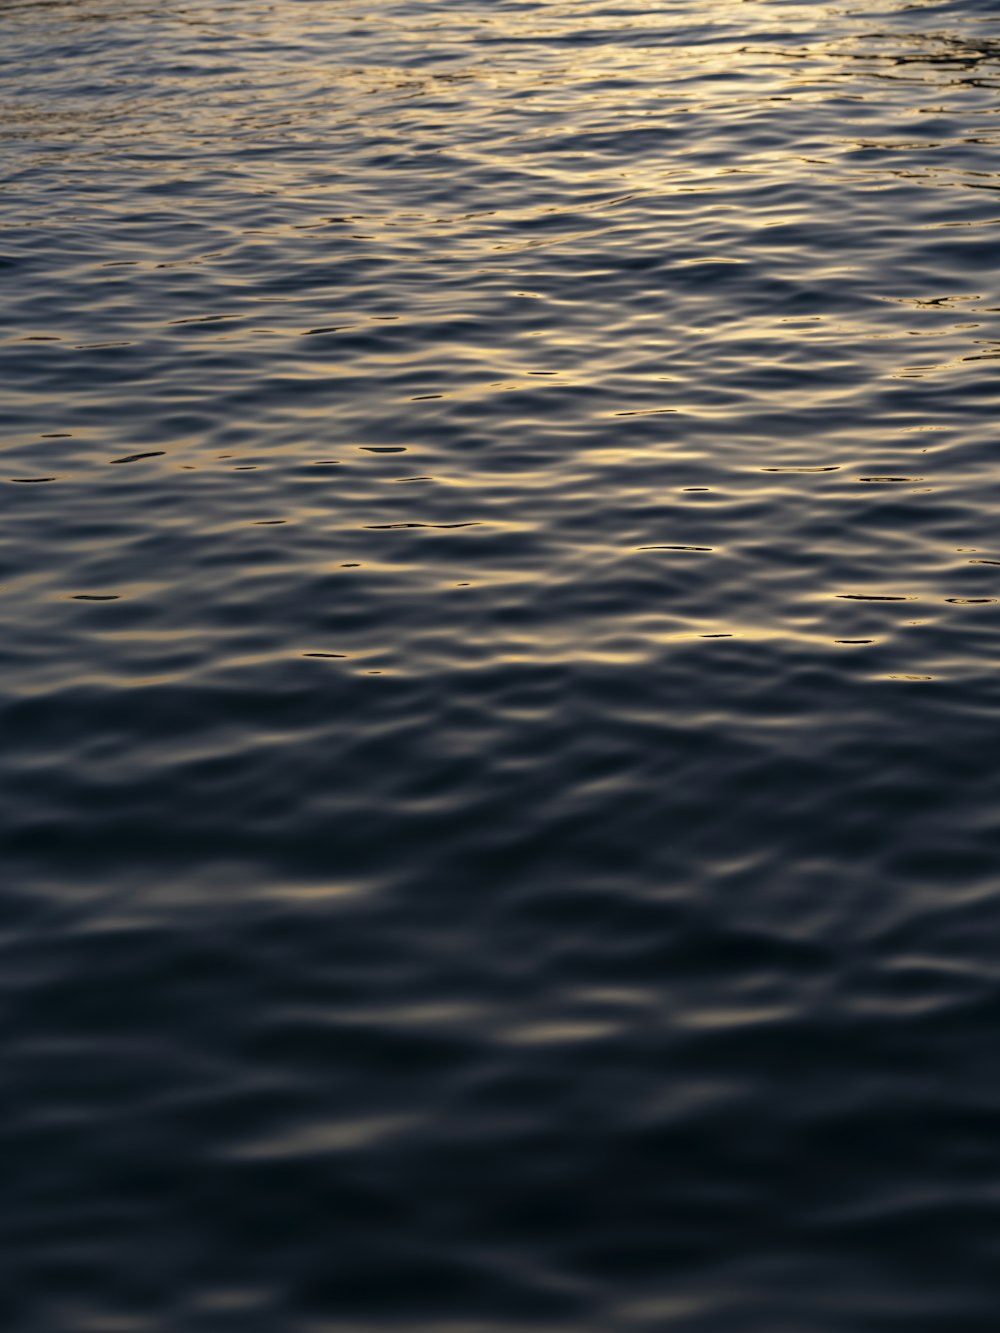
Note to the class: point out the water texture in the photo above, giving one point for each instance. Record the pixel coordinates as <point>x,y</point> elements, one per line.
<point>500,578</point>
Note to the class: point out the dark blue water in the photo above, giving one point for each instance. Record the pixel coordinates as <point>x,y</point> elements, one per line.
<point>501,666</point>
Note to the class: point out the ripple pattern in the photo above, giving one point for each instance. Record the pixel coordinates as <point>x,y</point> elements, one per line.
<point>500,666</point>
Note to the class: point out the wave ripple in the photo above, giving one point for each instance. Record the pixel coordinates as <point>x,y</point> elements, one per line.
<point>499,565</point>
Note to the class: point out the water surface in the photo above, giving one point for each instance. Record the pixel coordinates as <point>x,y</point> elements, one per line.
<point>500,579</point>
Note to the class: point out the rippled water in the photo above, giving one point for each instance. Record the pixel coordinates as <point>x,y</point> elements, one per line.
<point>500,570</point>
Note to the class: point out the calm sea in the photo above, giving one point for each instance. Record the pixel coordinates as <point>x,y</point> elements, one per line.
<point>499,565</point>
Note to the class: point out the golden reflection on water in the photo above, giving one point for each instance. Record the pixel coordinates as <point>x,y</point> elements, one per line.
<point>607,129</point>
